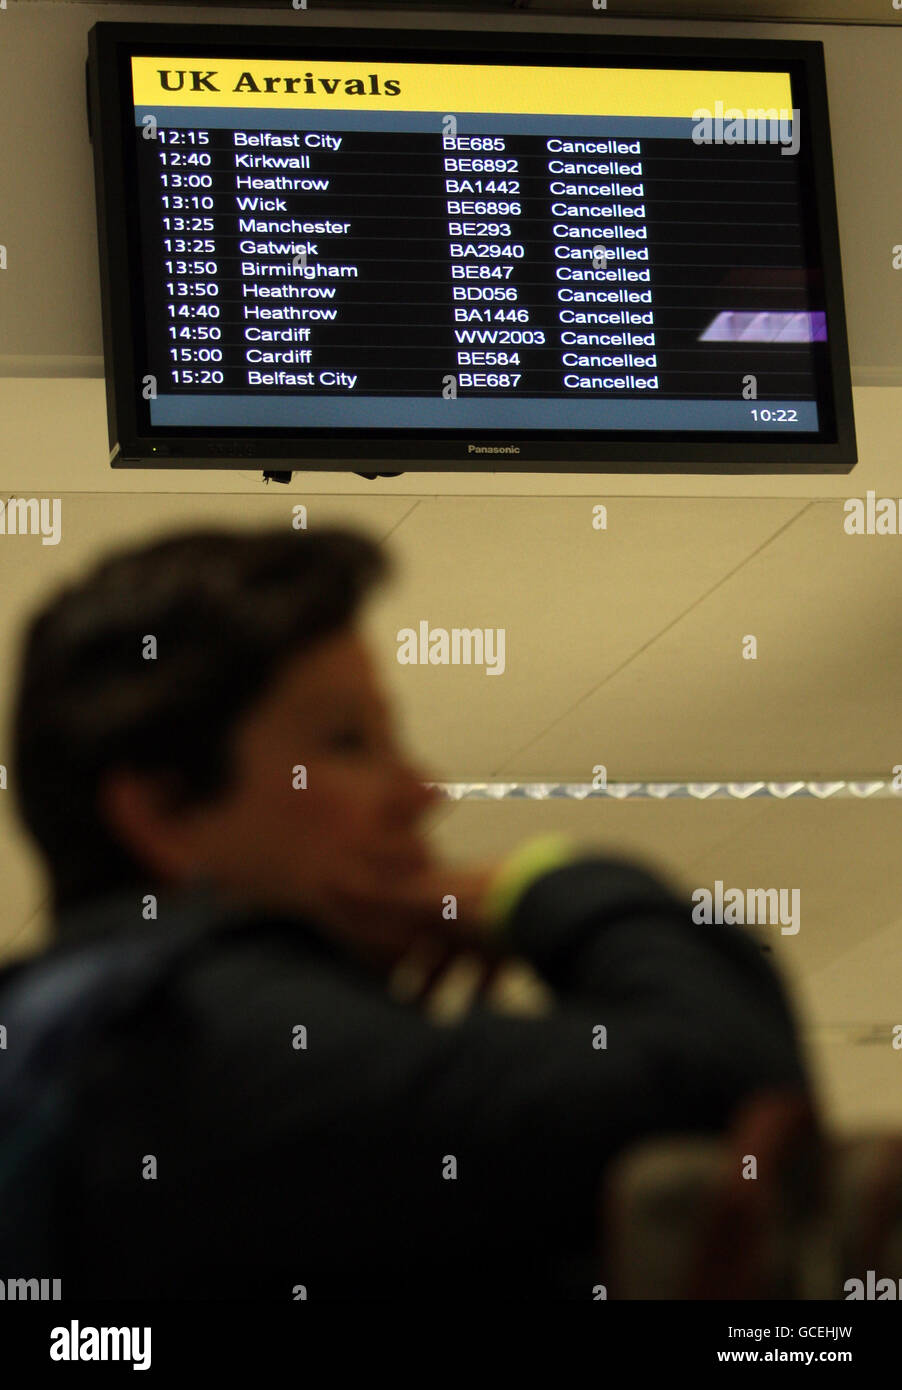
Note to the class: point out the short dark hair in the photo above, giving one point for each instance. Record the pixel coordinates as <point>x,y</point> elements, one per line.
<point>228,609</point>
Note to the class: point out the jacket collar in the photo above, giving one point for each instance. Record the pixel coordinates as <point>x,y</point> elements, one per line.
<point>126,911</point>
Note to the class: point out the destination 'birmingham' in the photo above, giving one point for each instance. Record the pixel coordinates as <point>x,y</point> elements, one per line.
<point>306,272</point>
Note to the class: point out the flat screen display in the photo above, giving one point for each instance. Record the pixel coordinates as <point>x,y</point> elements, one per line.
<point>467,251</point>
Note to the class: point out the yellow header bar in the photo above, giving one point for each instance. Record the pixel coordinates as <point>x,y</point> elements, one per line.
<point>385,86</point>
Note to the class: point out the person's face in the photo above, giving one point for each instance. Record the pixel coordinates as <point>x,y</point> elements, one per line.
<point>268,840</point>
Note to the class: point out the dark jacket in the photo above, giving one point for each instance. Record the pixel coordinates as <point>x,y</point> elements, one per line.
<point>323,1166</point>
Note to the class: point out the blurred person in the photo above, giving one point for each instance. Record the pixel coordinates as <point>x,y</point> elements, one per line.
<point>208,1155</point>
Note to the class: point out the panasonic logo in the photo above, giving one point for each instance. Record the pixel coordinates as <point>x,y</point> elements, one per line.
<point>493,448</point>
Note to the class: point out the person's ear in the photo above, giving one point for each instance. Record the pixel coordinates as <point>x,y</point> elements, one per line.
<point>137,811</point>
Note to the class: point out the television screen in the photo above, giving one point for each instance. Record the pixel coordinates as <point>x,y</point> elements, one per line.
<point>467,251</point>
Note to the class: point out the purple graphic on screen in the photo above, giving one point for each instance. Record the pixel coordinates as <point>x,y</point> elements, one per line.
<point>736,326</point>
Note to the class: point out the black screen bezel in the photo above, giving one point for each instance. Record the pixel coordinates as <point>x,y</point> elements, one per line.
<point>111,114</point>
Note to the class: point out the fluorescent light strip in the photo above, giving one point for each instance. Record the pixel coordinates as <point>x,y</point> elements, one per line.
<point>865,788</point>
